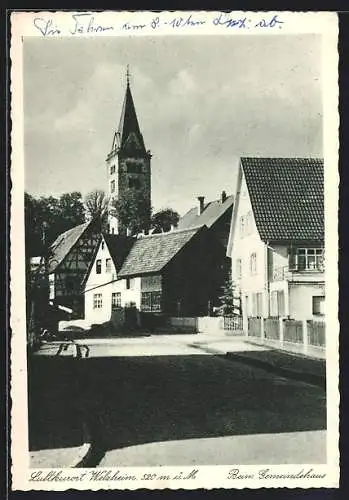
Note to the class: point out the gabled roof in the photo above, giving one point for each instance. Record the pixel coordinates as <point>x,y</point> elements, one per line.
<point>210,215</point>
<point>119,247</point>
<point>150,254</point>
<point>287,197</point>
<point>64,243</point>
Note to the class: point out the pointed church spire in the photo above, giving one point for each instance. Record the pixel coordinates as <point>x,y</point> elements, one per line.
<point>128,75</point>
<point>129,134</point>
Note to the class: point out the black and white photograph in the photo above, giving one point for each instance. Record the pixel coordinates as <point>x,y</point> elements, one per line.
<point>178,277</point>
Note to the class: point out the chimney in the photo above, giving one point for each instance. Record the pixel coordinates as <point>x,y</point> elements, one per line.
<point>201,200</point>
<point>223,196</point>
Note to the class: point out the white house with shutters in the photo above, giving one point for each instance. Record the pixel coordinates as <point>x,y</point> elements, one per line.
<point>276,240</point>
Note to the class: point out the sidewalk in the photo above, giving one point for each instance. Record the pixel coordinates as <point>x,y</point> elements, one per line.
<point>289,365</point>
<point>58,458</point>
<point>312,371</point>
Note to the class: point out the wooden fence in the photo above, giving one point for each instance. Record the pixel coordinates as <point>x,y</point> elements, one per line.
<point>316,333</point>
<point>293,331</point>
<point>272,328</point>
<point>279,330</point>
<point>254,327</point>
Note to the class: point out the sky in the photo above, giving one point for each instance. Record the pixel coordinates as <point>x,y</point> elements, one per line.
<point>202,103</point>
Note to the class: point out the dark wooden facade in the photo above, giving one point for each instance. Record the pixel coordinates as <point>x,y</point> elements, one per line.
<point>66,280</point>
<point>190,284</point>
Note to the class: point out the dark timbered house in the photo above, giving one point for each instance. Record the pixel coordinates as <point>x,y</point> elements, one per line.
<point>69,259</point>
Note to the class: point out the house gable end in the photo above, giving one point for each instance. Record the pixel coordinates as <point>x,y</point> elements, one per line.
<point>93,278</point>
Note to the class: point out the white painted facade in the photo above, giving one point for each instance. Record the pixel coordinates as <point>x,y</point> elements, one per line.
<point>113,189</point>
<point>102,283</point>
<point>247,248</point>
<point>261,271</point>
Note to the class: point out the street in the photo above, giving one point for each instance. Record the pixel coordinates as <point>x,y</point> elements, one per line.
<point>168,400</point>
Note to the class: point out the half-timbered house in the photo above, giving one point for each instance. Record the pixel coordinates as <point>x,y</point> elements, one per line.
<point>69,259</point>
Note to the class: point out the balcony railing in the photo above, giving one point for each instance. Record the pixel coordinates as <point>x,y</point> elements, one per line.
<point>287,272</point>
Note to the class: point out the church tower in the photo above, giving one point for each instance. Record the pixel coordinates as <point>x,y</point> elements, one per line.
<point>128,166</point>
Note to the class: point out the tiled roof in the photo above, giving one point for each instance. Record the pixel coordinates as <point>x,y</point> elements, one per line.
<point>211,213</point>
<point>287,197</point>
<point>63,244</point>
<point>119,247</point>
<point>150,254</point>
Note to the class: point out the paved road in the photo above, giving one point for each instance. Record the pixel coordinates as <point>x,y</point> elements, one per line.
<point>285,448</point>
<point>156,345</point>
<point>167,402</point>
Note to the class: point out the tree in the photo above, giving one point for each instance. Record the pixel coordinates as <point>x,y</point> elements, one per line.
<point>230,298</point>
<point>71,210</point>
<point>164,219</point>
<point>133,210</point>
<point>96,203</point>
<point>55,215</point>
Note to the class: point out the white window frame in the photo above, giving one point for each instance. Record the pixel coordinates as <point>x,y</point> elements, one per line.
<point>99,266</point>
<point>248,230</point>
<point>97,301</point>
<point>310,254</point>
<point>108,268</point>
<point>115,300</point>
<point>253,264</point>
<point>238,268</point>
<point>320,305</point>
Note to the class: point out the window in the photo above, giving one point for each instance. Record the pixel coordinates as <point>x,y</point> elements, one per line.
<point>254,305</point>
<point>115,300</point>
<point>129,283</point>
<point>248,229</point>
<point>98,266</point>
<point>318,305</point>
<point>112,186</point>
<point>277,304</point>
<point>97,301</point>
<point>259,300</point>
<point>146,301</point>
<point>253,264</point>
<point>102,245</point>
<point>112,169</point>
<point>156,301</point>
<point>273,304</point>
<point>247,305</point>
<point>257,305</point>
<point>151,301</point>
<point>108,265</point>
<point>134,183</point>
<point>308,259</point>
<point>238,268</point>
<point>242,226</point>
<point>281,303</point>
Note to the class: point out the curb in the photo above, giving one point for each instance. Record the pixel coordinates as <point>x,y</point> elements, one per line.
<point>205,348</point>
<point>310,378</point>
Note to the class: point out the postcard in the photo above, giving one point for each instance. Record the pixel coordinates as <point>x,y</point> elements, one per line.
<point>174,256</point>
